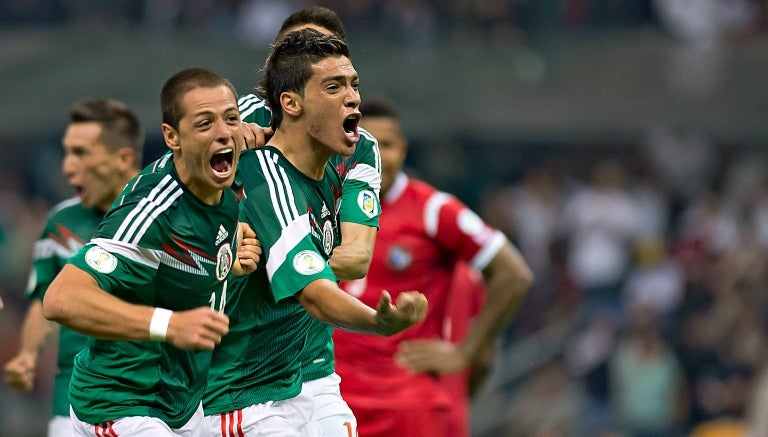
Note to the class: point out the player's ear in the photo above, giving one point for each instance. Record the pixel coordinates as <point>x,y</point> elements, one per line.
<point>171,137</point>
<point>291,102</point>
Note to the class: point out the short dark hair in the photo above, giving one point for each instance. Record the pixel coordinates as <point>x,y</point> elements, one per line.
<point>289,65</point>
<point>317,15</point>
<point>183,82</point>
<point>120,127</point>
<point>379,107</point>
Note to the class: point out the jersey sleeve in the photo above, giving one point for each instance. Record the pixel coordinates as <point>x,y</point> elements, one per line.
<point>361,174</point>
<point>277,211</point>
<point>126,251</point>
<point>460,230</point>
<point>254,109</point>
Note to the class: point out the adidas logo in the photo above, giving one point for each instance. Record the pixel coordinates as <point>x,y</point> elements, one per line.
<point>222,235</point>
<point>324,212</point>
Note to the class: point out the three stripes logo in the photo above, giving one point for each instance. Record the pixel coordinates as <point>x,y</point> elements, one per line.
<point>222,235</point>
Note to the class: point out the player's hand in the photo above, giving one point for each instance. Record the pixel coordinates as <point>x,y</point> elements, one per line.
<point>431,356</point>
<point>248,251</point>
<point>410,308</point>
<point>199,328</point>
<point>19,372</point>
<point>255,135</point>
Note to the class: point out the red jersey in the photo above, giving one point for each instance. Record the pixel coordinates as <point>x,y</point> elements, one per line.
<point>422,234</point>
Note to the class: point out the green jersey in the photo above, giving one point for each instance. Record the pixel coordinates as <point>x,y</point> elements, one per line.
<point>68,226</point>
<point>294,216</point>
<point>160,246</point>
<point>361,182</point>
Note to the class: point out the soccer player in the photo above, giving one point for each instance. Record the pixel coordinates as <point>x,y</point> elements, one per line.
<point>360,171</point>
<point>284,312</point>
<point>149,286</point>
<point>358,216</point>
<point>102,143</point>
<point>391,383</point>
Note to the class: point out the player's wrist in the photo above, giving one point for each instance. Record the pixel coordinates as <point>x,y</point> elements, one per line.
<point>158,325</point>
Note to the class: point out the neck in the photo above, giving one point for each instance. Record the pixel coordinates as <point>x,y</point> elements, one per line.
<point>307,155</point>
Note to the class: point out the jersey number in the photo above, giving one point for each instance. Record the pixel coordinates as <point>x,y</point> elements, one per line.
<point>222,302</point>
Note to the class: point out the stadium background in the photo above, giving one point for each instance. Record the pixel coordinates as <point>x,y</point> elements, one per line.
<point>535,113</point>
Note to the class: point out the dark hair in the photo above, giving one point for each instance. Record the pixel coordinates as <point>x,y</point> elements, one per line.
<point>379,107</point>
<point>317,15</point>
<point>120,127</point>
<point>183,82</point>
<point>289,65</point>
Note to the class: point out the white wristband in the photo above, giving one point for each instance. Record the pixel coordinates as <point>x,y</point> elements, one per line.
<point>158,326</point>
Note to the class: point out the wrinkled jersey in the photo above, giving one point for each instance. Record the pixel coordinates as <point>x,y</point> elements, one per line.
<point>261,358</point>
<point>160,246</point>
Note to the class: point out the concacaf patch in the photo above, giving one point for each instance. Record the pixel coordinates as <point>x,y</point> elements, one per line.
<point>366,200</point>
<point>308,262</point>
<point>101,260</point>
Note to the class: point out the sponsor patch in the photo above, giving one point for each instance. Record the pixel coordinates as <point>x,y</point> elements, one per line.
<point>366,200</point>
<point>101,260</point>
<point>308,262</point>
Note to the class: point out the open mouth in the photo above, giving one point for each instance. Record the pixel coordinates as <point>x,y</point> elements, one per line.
<point>350,127</point>
<point>221,162</point>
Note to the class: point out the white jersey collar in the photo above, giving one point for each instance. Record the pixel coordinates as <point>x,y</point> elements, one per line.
<point>397,188</point>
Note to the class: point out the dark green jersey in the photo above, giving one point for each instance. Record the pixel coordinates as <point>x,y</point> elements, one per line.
<point>260,359</point>
<point>160,246</point>
<point>361,176</point>
<point>68,226</point>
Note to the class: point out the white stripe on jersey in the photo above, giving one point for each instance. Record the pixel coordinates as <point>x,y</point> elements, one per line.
<point>488,251</point>
<point>46,247</point>
<point>374,149</point>
<point>366,173</point>
<point>249,104</point>
<point>289,238</point>
<point>279,188</point>
<point>148,257</point>
<point>140,218</point>
<point>432,212</point>
<point>64,204</point>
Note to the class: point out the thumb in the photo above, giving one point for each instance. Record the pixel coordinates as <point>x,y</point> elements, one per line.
<point>385,302</point>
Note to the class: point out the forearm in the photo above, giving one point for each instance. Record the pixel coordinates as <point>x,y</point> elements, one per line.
<point>36,330</point>
<point>352,258</point>
<point>328,303</point>
<point>507,280</point>
<point>75,300</point>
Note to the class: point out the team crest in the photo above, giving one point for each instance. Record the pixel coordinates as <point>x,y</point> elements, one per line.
<point>366,200</point>
<point>328,237</point>
<point>399,258</point>
<point>308,262</point>
<point>101,260</point>
<point>223,261</point>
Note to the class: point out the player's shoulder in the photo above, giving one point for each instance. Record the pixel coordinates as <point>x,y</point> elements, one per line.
<point>366,139</point>
<point>254,109</point>
<point>155,182</point>
<point>65,207</point>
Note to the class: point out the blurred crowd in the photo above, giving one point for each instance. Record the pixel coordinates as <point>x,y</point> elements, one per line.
<point>649,311</point>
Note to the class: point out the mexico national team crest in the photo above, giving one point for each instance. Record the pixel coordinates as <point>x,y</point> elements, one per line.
<point>223,261</point>
<point>308,262</point>
<point>366,200</point>
<point>101,260</point>
<point>328,237</point>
